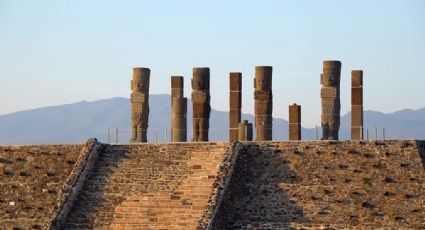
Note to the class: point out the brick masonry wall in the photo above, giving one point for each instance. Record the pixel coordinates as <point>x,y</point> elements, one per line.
<point>148,186</point>
<point>332,185</point>
<point>31,179</point>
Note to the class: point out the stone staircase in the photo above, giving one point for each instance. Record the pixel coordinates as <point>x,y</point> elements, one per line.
<point>148,187</point>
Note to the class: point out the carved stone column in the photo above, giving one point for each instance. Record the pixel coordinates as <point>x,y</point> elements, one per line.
<point>245,131</point>
<point>331,106</point>
<point>201,103</point>
<point>139,104</point>
<point>178,110</point>
<point>235,101</point>
<point>357,105</point>
<point>263,103</point>
<point>294,122</point>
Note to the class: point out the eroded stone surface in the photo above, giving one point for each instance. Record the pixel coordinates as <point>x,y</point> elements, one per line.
<point>139,100</point>
<point>235,105</point>
<point>357,105</point>
<point>263,98</point>
<point>178,110</point>
<point>294,122</point>
<point>331,106</point>
<point>201,103</point>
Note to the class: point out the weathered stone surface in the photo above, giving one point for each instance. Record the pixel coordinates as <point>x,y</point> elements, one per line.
<point>263,103</point>
<point>331,106</point>
<point>34,180</point>
<point>357,105</point>
<point>326,185</point>
<point>139,104</point>
<point>178,110</point>
<point>201,103</point>
<point>235,104</point>
<point>294,122</point>
<point>245,131</point>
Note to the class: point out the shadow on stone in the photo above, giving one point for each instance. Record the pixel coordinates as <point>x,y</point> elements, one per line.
<point>256,196</point>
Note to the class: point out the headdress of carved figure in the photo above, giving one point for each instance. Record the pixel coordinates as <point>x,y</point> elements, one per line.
<point>263,77</point>
<point>331,73</point>
<point>140,80</point>
<point>200,80</point>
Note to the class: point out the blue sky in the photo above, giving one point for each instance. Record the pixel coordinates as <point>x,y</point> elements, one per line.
<point>56,52</point>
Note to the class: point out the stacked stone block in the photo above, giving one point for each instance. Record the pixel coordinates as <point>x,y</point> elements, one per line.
<point>294,122</point>
<point>178,110</point>
<point>201,103</point>
<point>139,104</point>
<point>331,106</point>
<point>263,103</point>
<point>235,101</point>
<point>245,131</point>
<point>357,105</point>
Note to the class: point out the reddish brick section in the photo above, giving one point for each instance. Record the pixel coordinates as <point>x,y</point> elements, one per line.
<point>149,187</point>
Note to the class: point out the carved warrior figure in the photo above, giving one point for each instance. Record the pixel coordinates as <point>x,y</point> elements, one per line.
<point>263,103</point>
<point>294,122</point>
<point>139,104</point>
<point>330,80</point>
<point>179,110</point>
<point>357,105</point>
<point>235,101</point>
<point>201,103</point>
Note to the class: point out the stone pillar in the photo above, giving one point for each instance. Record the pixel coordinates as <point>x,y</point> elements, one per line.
<point>331,106</point>
<point>201,103</point>
<point>263,103</point>
<point>139,104</point>
<point>357,105</point>
<point>178,110</point>
<point>245,131</point>
<point>235,105</point>
<point>294,122</point>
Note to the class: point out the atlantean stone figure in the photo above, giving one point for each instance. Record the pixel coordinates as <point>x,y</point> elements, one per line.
<point>178,110</point>
<point>235,102</point>
<point>201,103</point>
<point>357,105</point>
<point>139,104</point>
<point>331,106</point>
<point>263,103</point>
<point>294,122</point>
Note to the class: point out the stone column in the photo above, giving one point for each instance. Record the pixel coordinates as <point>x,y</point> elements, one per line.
<point>263,103</point>
<point>139,104</point>
<point>178,110</point>
<point>294,122</point>
<point>357,105</point>
<point>245,131</point>
<point>201,103</point>
<point>235,105</point>
<point>331,106</point>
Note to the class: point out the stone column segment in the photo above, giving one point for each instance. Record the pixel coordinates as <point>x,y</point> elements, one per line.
<point>235,101</point>
<point>201,103</point>
<point>178,110</point>
<point>331,106</point>
<point>263,103</point>
<point>294,122</point>
<point>139,100</point>
<point>357,105</point>
<point>245,131</point>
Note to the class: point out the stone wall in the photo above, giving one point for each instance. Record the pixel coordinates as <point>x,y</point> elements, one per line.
<point>31,180</point>
<point>333,185</point>
<point>148,186</point>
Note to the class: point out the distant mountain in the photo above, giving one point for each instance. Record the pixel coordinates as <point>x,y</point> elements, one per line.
<point>74,123</point>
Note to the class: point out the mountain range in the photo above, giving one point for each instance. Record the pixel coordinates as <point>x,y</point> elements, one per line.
<point>76,122</point>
